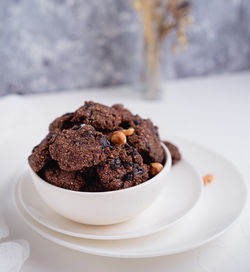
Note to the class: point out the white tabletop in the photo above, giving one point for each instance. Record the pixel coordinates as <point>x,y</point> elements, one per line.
<point>212,111</point>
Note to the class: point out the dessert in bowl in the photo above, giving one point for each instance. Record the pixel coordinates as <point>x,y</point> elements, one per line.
<point>100,165</point>
<point>102,208</point>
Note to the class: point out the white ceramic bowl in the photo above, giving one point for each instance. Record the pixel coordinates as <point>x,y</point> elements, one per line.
<point>103,208</point>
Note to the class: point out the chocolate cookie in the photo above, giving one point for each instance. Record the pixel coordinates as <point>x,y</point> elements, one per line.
<point>62,122</point>
<point>123,168</point>
<point>97,115</point>
<point>146,140</point>
<point>79,147</point>
<point>174,151</point>
<point>40,153</point>
<point>99,148</point>
<point>73,180</point>
<point>126,115</point>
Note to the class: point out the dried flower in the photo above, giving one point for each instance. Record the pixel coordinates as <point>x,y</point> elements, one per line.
<point>160,17</point>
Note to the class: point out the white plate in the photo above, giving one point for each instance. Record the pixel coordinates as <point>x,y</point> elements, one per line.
<point>221,204</point>
<point>180,195</point>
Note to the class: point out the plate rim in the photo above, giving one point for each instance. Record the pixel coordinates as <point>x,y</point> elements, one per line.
<point>115,237</point>
<point>32,224</point>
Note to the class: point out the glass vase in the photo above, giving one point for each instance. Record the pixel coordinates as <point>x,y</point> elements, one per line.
<point>151,82</point>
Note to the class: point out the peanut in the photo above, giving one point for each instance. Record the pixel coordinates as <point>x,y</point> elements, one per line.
<point>208,178</point>
<point>118,137</point>
<point>155,168</point>
<point>128,132</point>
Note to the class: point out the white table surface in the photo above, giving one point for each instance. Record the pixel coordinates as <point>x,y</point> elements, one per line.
<point>211,111</point>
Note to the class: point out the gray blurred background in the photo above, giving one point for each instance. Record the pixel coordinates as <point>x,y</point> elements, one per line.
<point>53,45</point>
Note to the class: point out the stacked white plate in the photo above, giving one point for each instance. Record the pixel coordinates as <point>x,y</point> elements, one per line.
<point>185,216</point>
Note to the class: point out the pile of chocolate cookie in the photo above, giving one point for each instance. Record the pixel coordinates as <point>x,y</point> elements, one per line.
<point>99,148</point>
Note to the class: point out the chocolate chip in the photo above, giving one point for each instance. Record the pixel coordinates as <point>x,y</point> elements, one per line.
<point>148,146</point>
<point>87,134</point>
<point>130,176</point>
<point>89,105</point>
<point>154,130</point>
<point>128,164</point>
<point>104,142</point>
<point>138,170</point>
<point>115,163</point>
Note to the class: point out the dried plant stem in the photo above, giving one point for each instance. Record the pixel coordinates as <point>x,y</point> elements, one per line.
<point>151,49</point>
<point>146,15</point>
<point>159,18</point>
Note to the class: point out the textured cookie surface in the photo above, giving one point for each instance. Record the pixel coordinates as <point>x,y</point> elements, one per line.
<point>99,116</point>
<point>146,140</point>
<point>72,180</point>
<point>79,147</point>
<point>62,122</point>
<point>123,168</point>
<point>40,153</point>
<point>126,115</point>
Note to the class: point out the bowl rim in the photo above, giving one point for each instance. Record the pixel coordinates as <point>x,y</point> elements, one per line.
<point>165,169</point>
